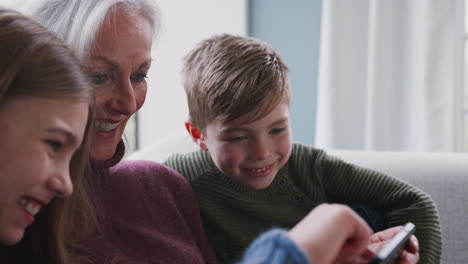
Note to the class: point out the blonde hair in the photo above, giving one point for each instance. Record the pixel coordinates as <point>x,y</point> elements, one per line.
<point>36,63</point>
<point>227,76</point>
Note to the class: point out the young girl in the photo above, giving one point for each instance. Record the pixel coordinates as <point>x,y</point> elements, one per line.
<point>45,117</point>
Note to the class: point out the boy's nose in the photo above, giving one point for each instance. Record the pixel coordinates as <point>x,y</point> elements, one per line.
<point>260,150</point>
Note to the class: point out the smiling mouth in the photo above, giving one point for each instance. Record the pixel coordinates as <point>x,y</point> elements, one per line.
<point>31,206</point>
<point>105,126</point>
<point>259,172</point>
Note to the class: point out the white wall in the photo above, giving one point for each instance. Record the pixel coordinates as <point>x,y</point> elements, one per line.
<point>184,23</point>
<point>11,3</point>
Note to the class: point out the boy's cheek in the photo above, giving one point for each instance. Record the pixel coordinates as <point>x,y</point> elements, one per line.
<point>226,159</point>
<point>285,144</point>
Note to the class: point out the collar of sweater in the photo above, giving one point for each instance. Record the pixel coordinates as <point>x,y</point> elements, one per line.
<point>118,155</point>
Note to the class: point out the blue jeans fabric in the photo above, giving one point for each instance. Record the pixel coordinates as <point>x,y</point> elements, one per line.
<point>373,216</point>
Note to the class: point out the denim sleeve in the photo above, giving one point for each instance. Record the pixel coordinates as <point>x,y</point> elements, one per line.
<point>274,247</point>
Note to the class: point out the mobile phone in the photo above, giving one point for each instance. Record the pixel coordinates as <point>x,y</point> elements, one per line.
<point>393,248</point>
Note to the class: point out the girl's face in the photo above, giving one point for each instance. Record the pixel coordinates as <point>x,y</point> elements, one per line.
<point>38,139</point>
<point>118,64</point>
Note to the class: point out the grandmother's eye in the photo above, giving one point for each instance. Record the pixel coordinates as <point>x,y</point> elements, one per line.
<point>99,78</point>
<point>138,77</point>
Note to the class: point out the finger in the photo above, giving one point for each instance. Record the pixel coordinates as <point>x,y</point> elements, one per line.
<point>349,256</point>
<point>385,234</point>
<point>356,261</point>
<point>411,253</point>
<point>368,254</point>
<point>353,250</point>
<point>358,238</point>
<point>376,246</point>
<point>329,233</point>
<point>413,245</point>
<point>408,258</point>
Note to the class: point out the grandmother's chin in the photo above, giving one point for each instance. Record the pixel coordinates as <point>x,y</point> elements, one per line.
<point>103,149</point>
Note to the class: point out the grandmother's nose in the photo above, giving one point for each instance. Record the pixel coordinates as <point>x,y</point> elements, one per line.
<point>124,100</point>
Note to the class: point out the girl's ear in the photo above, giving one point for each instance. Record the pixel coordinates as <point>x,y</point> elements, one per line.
<point>196,135</point>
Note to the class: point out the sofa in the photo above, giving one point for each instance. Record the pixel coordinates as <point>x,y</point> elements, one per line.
<point>444,176</point>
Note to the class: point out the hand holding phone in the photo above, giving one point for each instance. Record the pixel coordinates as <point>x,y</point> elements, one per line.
<point>393,248</point>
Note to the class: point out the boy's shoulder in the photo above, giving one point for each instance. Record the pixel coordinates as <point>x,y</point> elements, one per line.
<point>303,151</point>
<point>191,165</point>
<point>296,146</point>
<point>307,156</point>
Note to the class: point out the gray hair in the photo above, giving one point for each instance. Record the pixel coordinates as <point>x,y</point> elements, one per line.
<point>78,21</point>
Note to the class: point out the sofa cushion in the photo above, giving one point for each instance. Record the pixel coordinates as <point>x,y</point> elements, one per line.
<point>444,176</point>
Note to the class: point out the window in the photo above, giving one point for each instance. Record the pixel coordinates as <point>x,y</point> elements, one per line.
<point>465,78</point>
<point>131,135</point>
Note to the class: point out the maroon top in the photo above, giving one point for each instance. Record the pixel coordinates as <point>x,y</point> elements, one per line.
<point>151,215</point>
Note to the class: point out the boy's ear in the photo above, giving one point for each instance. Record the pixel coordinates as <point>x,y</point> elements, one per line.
<point>196,135</point>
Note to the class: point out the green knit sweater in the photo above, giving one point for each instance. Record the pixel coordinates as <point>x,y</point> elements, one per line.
<point>234,214</point>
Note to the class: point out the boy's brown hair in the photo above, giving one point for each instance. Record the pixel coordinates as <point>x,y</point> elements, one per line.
<point>227,76</point>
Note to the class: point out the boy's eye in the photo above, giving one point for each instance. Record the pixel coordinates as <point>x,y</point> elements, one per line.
<point>99,78</point>
<point>138,77</point>
<point>277,130</point>
<point>237,138</point>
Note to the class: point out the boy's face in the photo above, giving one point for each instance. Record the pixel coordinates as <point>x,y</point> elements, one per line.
<point>250,153</point>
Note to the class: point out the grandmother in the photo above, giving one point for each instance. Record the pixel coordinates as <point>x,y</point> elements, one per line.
<point>145,210</point>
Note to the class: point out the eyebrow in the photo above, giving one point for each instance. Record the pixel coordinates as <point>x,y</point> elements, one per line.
<point>71,138</point>
<point>117,65</point>
<point>234,130</point>
<point>244,129</point>
<point>279,122</point>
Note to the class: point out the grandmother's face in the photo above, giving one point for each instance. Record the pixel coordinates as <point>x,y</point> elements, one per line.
<point>118,64</point>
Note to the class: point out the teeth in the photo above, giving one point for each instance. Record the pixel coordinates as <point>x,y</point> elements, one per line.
<point>23,201</point>
<point>30,206</point>
<point>105,126</point>
<point>258,170</point>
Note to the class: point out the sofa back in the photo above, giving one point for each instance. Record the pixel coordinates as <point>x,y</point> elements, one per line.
<point>444,176</point>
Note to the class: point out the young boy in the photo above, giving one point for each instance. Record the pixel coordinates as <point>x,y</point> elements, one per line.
<point>249,176</point>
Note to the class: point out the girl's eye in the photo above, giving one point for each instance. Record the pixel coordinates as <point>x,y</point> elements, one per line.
<point>99,78</point>
<point>54,144</point>
<point>138,77</point>
<point>277,130</point>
